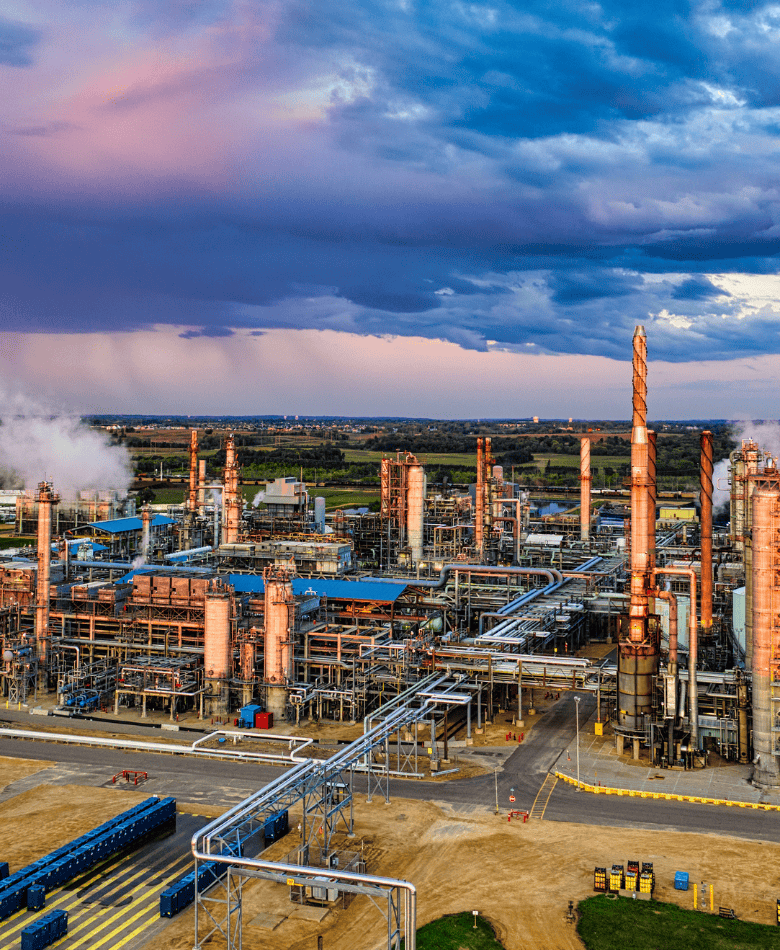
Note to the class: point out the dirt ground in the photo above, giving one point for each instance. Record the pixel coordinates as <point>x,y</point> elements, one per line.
<point>11,770</point>
<point>520,876</point>
<point>48,816</point>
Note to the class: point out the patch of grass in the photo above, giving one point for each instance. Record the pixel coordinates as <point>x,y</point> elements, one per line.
<point>345,497</point>
<point>15,542</point>
<point>624,924</point>
<point>456,932</point>
<point>427,458</point>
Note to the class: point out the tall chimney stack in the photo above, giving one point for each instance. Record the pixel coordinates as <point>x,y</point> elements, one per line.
<point>585,482</point>
<point>46,499</point>
<point>706,531</point>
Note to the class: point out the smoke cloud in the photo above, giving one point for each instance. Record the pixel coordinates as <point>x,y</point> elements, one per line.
<point>38,443</point>
<point>258,498</point>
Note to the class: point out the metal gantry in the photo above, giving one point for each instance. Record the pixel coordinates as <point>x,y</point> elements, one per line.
<point>325,790</point>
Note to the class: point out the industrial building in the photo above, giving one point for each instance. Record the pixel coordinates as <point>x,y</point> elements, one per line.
<point>434,612</point>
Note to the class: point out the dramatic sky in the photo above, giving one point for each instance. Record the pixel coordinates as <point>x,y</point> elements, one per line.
<point>390,206</point>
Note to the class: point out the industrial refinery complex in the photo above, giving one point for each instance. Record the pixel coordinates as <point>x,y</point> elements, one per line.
<point>419,621</point>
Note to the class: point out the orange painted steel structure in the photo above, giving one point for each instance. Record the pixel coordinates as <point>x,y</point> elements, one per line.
<point>201,486</point>
<point>766,631</point>
<point>479,500</point>
<point>706,531</point>
<point>585,484</point>
<point>651,492</point>
<point>46,499</point>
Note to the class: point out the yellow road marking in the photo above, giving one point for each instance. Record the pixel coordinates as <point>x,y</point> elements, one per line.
<point>154,895</point>
<point>77,907</point>
<point>540,802</point>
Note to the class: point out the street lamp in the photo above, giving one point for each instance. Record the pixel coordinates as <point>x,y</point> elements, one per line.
<point>475,912</point>
<point>577,707</point>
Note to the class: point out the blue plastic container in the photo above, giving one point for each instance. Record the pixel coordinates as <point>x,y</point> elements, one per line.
<point>681,880</point>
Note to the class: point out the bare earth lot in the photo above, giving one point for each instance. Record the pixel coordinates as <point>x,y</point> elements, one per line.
<point>520,876</point>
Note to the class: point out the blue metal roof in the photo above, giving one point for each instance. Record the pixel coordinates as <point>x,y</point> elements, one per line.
<point>77,542</point>
<point>124,525</point>
<point>334,589</point>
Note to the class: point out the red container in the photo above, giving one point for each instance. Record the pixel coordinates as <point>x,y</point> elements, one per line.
<point>264,720</point>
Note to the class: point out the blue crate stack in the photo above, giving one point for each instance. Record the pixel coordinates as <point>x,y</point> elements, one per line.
<point>82,853</point>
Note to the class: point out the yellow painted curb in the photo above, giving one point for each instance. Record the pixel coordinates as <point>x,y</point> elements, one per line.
<point>669,796</point>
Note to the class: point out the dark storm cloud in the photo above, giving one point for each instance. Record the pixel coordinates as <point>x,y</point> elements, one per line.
<point>17,42</point>
<point>502,175</point>
<point>697,288</point>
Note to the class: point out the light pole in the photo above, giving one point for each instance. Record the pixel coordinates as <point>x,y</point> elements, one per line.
<point>577,707</point>
<point>495,775</point>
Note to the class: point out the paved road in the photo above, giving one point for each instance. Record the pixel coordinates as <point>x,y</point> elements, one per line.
<point>210,781</point>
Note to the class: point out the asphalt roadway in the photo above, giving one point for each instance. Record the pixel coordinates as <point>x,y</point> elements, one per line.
<point>226,783</point>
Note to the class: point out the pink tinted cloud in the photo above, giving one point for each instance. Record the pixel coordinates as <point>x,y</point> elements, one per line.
<point>157,371</point>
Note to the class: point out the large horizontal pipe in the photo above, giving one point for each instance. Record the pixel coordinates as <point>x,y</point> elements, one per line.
<point>550,573</point>
<point>173,748</point>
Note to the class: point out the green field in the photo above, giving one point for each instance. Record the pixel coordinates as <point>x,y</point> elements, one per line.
<point>457,932</point>
<point>622,924</point>
<point>15,542</point>
<point>334,497</point>
<point>427,458</point>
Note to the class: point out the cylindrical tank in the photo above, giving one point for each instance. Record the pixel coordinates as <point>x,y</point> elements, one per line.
<point>415,510</point>
<point>217,652</point>
<point>277,643</point>
<point>319,514</point>
<point>498,473</point>
<point>585,483</point>
<point>766,522</point>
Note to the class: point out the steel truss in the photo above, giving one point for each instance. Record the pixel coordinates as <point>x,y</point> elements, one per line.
<point>326,792</point>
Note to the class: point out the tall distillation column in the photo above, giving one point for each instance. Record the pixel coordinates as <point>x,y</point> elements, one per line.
<point>415,507</point>
<point>766,631</point>
<point>277,645</point>
<point>231,501</point>
<point>706,531</point>
<point>639,649</point>
<point>751,462</point>
<point>46,499</point>
<point>217,649</point>
<point>585,482</point>
<point>479,500</point>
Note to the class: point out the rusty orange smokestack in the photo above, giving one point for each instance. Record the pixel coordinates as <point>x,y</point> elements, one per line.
<point>706,530</point>
<point>46,500</point>
<point>479,500</point>
<point>585,482</point>
<point>640,466</point>
<point>192,502</point>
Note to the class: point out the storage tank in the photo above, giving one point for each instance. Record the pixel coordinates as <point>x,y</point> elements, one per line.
<point>766,561</point>
<point>279,626</point>
<point>319,514</point>
<point>217,652</point>
<point>415,511</point>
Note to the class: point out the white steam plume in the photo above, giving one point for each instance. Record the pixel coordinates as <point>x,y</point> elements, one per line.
<point>37,443</point>
<point>720,484</point>
<point>765,434</point>
<point>258,498</point>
